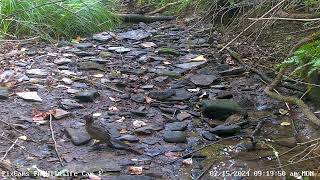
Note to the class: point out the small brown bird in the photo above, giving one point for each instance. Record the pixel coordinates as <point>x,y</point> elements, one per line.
<point>103,135</point>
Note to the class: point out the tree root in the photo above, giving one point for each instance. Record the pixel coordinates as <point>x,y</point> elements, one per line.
<point>132,18</point>
<point>289,99</point>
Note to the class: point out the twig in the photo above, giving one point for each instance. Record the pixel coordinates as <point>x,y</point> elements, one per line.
<point>22,147</point>
<point>276,154</point>
<point>257,129</point>
<point>286,19</point>
<point>18,131</point>
<point>54,140</point>
<point>8,150</point>
<point>265,14</point>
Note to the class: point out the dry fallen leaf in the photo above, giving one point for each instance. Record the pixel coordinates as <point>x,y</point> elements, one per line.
<point>136,170</point>
<point>283,111</point>
<point>187,161</point>
<point>199,58</point>
<point>285,124</point>
<point>148,99</point>
<point>24,138</point>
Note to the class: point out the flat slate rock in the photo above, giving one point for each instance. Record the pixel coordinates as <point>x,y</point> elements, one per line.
<point>78,136</point>
<point>30,96</point>
<point>69,104</point>
<point>180,95</point>
<point>203,80</point>
<point>220,108</point>
<point>225,129</point>
<point>162,95</point>
<point>90,65</point>
<point>176,126</point>
<point>233,72</point>
<point>87,95</point>
<point>106,165</point>
<point>62,61</point>
<point>38,73</point>
<point>138,34</point>
<point>83,46</point>
<point>190,65</point>
<point>175,137</point>
<point>102,37</point>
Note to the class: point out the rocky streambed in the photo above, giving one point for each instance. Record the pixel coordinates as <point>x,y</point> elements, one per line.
<point>161,88</point>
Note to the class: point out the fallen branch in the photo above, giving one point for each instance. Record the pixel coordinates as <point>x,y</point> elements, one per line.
<point>8,150</point>
<point>18,131</point>
<point>22,147</point>
<point>131,18</point>
<point>284,19</point>
<point>54,140</point>
<point>163,8</point>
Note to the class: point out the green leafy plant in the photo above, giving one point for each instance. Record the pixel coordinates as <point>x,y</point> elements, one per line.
<point>305,63</point>
<point>54,19</point>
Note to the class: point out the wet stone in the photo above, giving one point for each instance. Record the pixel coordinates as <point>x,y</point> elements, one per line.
<point>190,65</point>
<point>289,142</point>
<point>176,126</point>
<point>105,54</point>
<point>37,73</point>
<point>147,87</point>
<point>203,80</point>
<point>87,95</point>
<point>139,113</point>
<point>180,95</point>
<point>232,72</point>
<point>83,46</point>
<point>119,49</point>
<point>62,61</point>
<point>174,137</point>
<point>183,115</point>
<point>223,67</point>
<point>85,53</point>
<point>162,95</point>
<point>129,138</point>
<point>135,34</point>
<point>102,37</point>
<point>144,130</point>
<point>78,136</point>
<point>139,98</point>
<point>225,129</point>
<point>220,108</point>
<point>4,93</point>
<point>90,65</point>
<point>209,136</point>
<point>69,104</point>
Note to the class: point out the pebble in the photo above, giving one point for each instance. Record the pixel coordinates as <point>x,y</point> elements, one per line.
<point>87,95</point>
<point>175,137</point>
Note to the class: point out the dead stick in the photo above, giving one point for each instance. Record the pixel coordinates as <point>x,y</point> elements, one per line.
<point>18,131</point>
<point>22,147</point>
<point>8,150</point>
<point>163,8</point>
<point>54,140</point>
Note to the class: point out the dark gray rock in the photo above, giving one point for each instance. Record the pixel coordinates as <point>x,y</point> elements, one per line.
<point>129,138</point>
<point>78,136</point>
<point>83,46</point>
<point>102,37</point>
<point>87,95</point>
<point>176,126</point>
<point>69,104</point>
<point>143,130</point>
<point>162,95</point>
<point>203,80</point>
<point>138,34</point>
<point>139,98</point>
<point>90,65</point>
<point>4,93</point>
<point>180,95</point>
<point>289,142</point>
<point>223,67</point>
<point>225,129</point>
<point>85,53</point>
<point>62,61</point>
<point>232,72</point>
<point>139,113</point>
<point>209,136</point>
<point>175,137</point>
<point>220,108</point>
